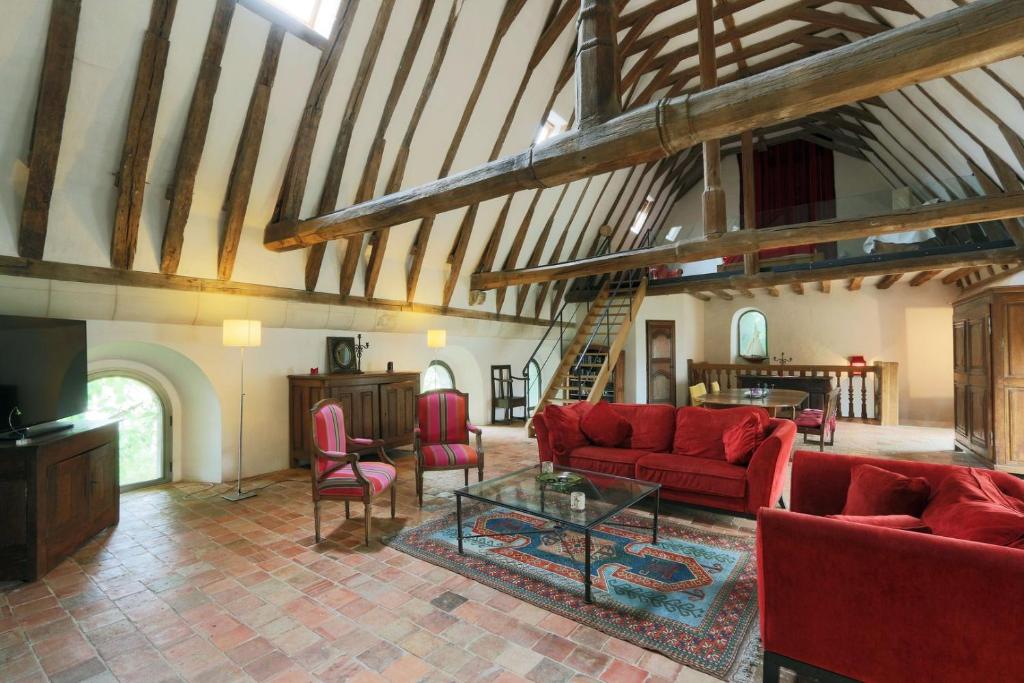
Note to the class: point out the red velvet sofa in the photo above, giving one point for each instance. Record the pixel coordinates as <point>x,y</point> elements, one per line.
<point>841,600</point>
<point>703,481</point>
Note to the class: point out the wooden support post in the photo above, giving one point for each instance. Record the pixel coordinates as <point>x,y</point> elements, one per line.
<point>597,73</point>
<point>48,125</point>
<point>138,139</point>
<point>247,154</point>
<point>889,404</point>
<point>713,199</point>
<point>190,152</point>
<point>751,259</point>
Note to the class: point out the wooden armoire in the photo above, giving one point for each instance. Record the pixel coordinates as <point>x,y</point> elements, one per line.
<point>988,376</point>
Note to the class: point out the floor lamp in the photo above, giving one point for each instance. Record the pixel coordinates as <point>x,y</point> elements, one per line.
<point>241,333</point>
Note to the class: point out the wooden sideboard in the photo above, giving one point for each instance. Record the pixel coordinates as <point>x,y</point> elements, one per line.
<point>988,376</point>
<point>56,493</point>
<point>377,405</point>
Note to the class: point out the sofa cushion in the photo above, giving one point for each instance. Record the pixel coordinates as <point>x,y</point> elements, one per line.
<point>902,522</point>
<point>742,439</point>
<point>876,491</point>
<point>618,461</point>
<point>699,430</point>
<point>693,474</point>
<point>653,425</point>
<point>604,427</point>
<point>563,422</point>
<point>969,505</point>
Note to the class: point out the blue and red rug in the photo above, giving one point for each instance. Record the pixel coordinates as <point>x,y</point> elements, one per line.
<point>692,597</point>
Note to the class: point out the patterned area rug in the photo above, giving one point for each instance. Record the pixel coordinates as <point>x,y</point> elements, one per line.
<point>692,597</point>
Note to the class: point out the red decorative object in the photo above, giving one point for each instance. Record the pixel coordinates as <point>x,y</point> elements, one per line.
<point>314,371</point>
<point>706,478</point>
<point>857,362</point>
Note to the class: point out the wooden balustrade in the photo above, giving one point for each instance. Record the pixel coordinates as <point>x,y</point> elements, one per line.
<point>868,393</point>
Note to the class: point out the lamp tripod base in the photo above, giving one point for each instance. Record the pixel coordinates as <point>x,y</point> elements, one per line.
<point>239,495</point>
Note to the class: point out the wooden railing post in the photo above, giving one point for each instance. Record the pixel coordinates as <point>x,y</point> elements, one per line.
<point>889,391</point>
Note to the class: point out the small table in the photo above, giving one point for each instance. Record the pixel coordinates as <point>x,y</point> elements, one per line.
<point>773,401</point>
<point>607,496</point>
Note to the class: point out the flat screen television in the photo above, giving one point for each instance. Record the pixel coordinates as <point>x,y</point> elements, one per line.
<point>43,368</point>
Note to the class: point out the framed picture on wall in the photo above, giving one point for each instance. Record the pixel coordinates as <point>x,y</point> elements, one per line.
<point>341,355</point>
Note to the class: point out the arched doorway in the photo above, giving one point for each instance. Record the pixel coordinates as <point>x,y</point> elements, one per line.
<point>438,375</point>
<point>144,424</point>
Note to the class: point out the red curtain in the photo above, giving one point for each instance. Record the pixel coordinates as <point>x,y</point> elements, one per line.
<point>793,182</point>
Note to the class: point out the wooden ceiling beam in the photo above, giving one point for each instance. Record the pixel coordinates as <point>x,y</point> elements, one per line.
<point>339,155</point>
<point>843,22</point>
<point>935,216</point>
<point>825,286</point>
<point>556,253</point>
<point>138,139</point>
<point>957,274</point>
<point>797,287</point>
<point>286,22</point>
<point>247,153</point>
<point>855,282</point>
<point>888,281</point>
<point>979,33</point>
<point>48,125</point>
<point>713,197</point>
<point>772,292</point>
<point>193,139</point>
<point>722,294</point>
<point>597,73</point>
<point>538,248</point>
<point>923,277</point>
<point>378,240</point>
<point>418,251</point>
<point>856,272</point>
<point>293,185</point>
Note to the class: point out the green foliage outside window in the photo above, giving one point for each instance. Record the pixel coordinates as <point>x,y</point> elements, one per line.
<point>141,416</point>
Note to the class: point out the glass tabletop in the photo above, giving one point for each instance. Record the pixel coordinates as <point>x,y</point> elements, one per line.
<point>521,490</point>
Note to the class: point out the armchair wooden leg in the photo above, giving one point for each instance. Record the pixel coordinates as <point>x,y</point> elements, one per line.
<point>368,518</point>
<point>316,520</point>
<point>770,668</point>
<point>480,472</point>
<point>392,502</point>
<point>465,476</point>
<point>419,485</point>
<point>821,442</point>
<point>346,510</point>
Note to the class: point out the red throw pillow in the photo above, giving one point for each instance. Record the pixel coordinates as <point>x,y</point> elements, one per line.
<point>742,439</point>
<point>902,522</point>
<point>969,505</point>
<point>699,431</point>
<point>875,491</point>
<point>564,433</point>
<point>605,427</point>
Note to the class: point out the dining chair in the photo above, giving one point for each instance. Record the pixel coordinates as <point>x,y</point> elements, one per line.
<point>503,395</point>
<point>337,471</point>
<point>441,436</point>
<point>715,387</point>
<point>697,393</point>
<point>820,423</point>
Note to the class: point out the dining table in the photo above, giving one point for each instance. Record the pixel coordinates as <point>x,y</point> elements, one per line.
<point>774,401</point>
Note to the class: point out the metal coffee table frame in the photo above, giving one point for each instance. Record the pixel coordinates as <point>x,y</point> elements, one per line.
<point>559,521</point>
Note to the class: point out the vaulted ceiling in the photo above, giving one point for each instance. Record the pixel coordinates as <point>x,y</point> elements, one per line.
<point>162,137</point>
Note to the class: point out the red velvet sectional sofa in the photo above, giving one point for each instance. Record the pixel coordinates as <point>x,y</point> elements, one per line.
<point>682,449</point>
<point>844,600</point>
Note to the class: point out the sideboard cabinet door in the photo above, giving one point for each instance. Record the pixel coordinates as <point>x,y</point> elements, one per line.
<point>398,409</point>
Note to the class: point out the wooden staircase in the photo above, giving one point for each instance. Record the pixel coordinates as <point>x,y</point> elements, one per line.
<point>617,311</point>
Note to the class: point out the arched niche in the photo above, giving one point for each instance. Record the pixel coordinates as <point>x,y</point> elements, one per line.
<point>196,430</point>
<point>749,336</point>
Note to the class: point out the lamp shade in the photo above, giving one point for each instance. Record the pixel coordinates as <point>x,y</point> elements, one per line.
<point>437,339</point>
<point>242,333</point>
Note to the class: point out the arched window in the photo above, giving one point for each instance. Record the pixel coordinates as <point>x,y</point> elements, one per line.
<point>438,375</point>
<point>752,336</point>
<point>533,385</point>
<point>144,425</point>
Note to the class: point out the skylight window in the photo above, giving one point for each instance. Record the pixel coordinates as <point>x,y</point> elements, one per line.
<point>641,215</point>
<point>316,14</point>
<point>555,125</point>
<point>673,233</point>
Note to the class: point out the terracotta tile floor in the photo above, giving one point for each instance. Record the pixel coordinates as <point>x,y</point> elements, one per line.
<point>191,587</point>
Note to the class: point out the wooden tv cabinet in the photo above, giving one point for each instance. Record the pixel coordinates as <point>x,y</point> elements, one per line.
<point>56,493</point>
<point>377,405</point>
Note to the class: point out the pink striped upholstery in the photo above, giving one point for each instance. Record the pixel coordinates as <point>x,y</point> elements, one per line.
<point>449,455</point>
<point>812,417</point>
<point>443,417</point>
<point>329,428</point>
<point>343,482</point>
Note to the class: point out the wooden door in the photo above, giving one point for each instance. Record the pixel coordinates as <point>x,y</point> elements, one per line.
<point>960,382</point>
<point>661,361</point>
<point>397,409</point>
<point>1008,380</point>
<point>978,390</point>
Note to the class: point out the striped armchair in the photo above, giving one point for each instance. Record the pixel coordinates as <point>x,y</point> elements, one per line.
<point>441,438</point>
<point>337,472</point>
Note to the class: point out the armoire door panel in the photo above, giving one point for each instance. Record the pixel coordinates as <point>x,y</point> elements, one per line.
<point>960,409</point>
<point>1014,422</point>
<point>1013,355</point>
<point>959,347</point>
<point>977,345</point>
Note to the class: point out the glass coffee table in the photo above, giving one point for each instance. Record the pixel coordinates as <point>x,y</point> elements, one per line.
<point>606,496</point>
